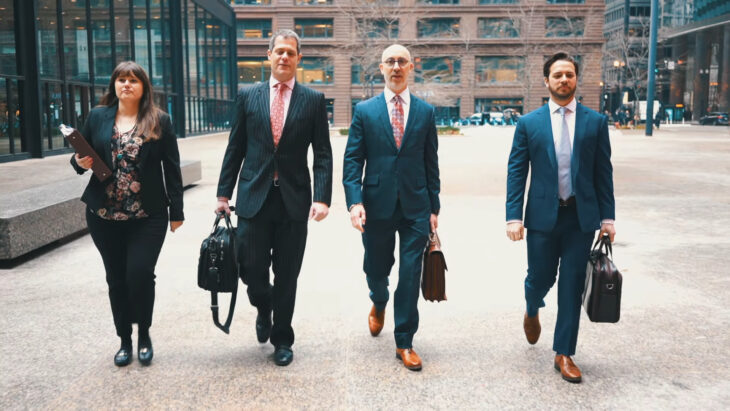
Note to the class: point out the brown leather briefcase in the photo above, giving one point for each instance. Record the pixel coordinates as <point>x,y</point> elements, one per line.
<point>433,281</point>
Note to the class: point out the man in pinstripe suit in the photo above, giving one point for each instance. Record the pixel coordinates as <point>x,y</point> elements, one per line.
<point>275,124</point>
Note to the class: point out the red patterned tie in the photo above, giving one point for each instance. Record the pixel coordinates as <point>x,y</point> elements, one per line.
<point>397,119</point>
<point>277,112</point>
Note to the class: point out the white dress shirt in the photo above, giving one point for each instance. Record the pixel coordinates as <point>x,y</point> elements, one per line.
<point>556,119</point>
<point>406,96</point>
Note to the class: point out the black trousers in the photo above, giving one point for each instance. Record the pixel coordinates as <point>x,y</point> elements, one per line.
<point>272,238</point>
<point>129,250</point>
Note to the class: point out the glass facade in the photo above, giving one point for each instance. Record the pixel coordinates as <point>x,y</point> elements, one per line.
<point>312,2</point>
<point>565,1</point>
<point>438,1</point>
<point>498,1</point>
<point>564,26</point>
<point>493,70</point>
<point>251,2</point>
<point>313,28</point>
<point>253,29</point>
<point>491,28</point>
<point>253,70</point>
<point>438,27</point>
<point>486,105</point>
<point>187,51</point>
<point>371,75</point>
<point>444,70</point>
<point>316,70</point>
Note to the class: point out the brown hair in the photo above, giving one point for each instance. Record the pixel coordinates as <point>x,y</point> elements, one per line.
<point>557,57</point>
<point>148,116</point>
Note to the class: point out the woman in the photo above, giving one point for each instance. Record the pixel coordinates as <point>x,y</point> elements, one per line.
<point>127,213</point>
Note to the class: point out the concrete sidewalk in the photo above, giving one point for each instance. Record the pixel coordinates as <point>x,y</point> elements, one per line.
<point>671,349</point>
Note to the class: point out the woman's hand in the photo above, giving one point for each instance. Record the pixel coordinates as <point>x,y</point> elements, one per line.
<point>84,162</point>
<point>174,225</point>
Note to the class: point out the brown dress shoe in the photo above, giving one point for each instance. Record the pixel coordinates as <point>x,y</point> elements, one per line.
<point>532,328</point>
<point>376,319</point>
<point>569,371</point>
<point>410,359</point>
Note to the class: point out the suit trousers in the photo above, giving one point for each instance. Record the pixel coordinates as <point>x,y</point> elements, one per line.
<point>568,248</point>
<point>272,239</point>
<point>129,250</point>
<point>379,242</point>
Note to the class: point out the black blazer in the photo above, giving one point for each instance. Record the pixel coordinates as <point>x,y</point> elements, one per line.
<point>156,192</point>
<point>251,139</point>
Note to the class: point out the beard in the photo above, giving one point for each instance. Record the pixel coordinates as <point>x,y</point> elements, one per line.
<point>564,94</point>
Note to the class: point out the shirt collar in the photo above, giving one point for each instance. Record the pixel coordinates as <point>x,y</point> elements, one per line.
<point>273,82</point>
<point>405,95</point>
<point>555,106</point>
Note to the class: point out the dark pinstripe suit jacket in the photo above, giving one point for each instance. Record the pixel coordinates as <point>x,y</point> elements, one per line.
<point>252,144</point>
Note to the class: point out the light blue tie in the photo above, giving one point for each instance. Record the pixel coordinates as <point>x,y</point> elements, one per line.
<point>565,185</point>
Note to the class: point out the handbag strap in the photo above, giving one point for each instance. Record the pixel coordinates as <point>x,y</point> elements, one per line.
<point>214,308</point>
<point>603,243</point>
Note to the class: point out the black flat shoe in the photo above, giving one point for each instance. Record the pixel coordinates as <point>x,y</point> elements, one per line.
<point>145,352</point>
<point>263,327</point>
<point>123,357</point>
<point>283,355</point>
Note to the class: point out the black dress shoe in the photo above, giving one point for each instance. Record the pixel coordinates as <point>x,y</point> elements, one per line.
<point>283,355</point>
<point>123,356</point>
<point>263,327</point>
<point>145,351</point>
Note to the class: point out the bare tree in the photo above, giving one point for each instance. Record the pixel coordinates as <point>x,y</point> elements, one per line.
<point>631,54</point>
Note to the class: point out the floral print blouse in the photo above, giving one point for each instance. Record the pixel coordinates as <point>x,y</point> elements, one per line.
<point>123,193</point>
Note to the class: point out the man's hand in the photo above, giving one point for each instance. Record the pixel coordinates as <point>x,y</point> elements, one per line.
<point>515,231</point>
<point>434,222</point>
<point>174,225</point>
<point>84,162</point>
<point>222,205</point>
<point>319,211</point>
<point>607,228</point>
<point>357,217</point>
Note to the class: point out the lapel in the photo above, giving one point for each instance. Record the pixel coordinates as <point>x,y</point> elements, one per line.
<point>580,126</point>
<point>385,120</point>
<point>411,119</point>
<point>293,106</point>
<point>106,130</point>
<point>262,104</point>
<point>548,135</point>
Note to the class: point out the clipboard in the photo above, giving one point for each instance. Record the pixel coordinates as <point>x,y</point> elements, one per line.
<point>79,143</point>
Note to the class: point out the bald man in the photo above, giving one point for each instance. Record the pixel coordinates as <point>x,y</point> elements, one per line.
<point>393,133</point>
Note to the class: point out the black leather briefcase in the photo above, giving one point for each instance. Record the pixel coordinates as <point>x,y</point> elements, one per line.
<point>218,267</point>
<point>602,292</point>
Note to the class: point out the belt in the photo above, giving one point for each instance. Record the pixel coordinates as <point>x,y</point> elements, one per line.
<point>567,203</point>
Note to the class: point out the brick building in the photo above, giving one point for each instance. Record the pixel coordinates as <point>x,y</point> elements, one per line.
<point>470,55</point>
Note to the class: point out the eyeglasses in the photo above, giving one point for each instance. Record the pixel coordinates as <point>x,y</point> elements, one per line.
<point>391,62</point>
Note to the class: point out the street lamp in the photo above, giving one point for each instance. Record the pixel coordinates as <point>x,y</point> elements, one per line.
<point>619,65</point>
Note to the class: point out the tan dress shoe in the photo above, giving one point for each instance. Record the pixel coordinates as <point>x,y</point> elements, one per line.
<point>376,319</point>
<point>532,328</point>
<point>410,359</point>
<point>568,370</point>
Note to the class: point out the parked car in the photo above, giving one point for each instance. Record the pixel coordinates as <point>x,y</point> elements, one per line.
<point>715,118</point>
<point>478,119</point>
<point>496,118</point>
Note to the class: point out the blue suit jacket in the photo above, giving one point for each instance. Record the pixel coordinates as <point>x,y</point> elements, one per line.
<point>410,173</point>
<point>591,171</point>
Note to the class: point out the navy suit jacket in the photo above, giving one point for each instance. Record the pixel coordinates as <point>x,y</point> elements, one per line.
<point>591,171</point>
<point>161,187</point>
<point>410,173</point>
<point>251,139</point>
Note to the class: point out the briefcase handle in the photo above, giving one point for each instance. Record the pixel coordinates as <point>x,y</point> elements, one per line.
<point>604,242</point>
<point>223,214</point>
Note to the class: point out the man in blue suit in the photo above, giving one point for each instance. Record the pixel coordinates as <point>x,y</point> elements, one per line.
<point>570,196</point>
<point>393,136</point>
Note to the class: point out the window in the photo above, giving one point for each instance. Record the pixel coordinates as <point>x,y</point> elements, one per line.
<point>446,115</point>
<point>251,2</point>
<point>438,1</point>
<point>565,1</point>
<point>564,26</point>
<point>312,2</point>
<point>498,1</point>
<point>371,75</point>
<point>445,70</point>
<point>378,28</point>
<point>315,70</point>
<point>498,28</point>
<point>254,29</point>
<point>442,27</point>
<point>313,28</point>
<point>486,105</point>
<point>253,70</point>
<point>499,69</point>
